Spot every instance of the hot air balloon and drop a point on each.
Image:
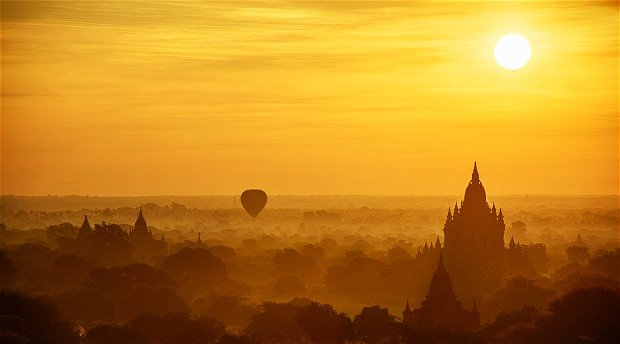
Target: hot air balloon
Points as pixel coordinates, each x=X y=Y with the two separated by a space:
x=253 y=201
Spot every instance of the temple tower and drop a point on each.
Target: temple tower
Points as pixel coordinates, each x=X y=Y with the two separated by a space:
x=441 y=309
x=474 y=242
x=140 y=230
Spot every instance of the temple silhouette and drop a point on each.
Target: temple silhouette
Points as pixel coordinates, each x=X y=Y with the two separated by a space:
x=474 y=242
x=140 y=231
x=474 y=253
x=441 y=309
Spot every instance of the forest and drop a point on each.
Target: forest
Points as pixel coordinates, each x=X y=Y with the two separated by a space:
x=309 y=269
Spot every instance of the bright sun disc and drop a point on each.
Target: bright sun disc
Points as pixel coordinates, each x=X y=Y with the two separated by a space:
x=512 y=52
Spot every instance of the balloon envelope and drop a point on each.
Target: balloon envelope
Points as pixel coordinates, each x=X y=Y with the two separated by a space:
x=253 y=201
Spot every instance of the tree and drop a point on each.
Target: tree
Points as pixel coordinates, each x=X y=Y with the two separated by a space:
x=513 y=324
x=317 y=252
x=275 y=323
x=9 y=273
x=40 y=320
x=153 y=300
x=322 y=324
x=577 y=253
x=106 y=334
x=110 y=244
x=64 y=229
x=225 y=253
x=177 y=328
x=231 y=310
x=397 y=255
x=584 y=280
x=128 y=291
x=120 y=281
x=196 y=269
x=65 y=273
x=538 y=254
x=290 y=261
x=234 y=339
x=289 y=285
x=87 y=305
x=360 y=275
x=583 y=315
x=519 y=292
x=518 y=229
x=374 y=325
x=31 y=261
x=608 y=264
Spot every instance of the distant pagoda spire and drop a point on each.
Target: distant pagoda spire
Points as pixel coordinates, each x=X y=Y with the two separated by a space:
x=438 y=243
x=475 y=195
x=474 y=175
x=440 y=267
x=579 y=241
x=86 y=224
x=85 y=229
x=140 y=225
x=199 y=242
x=500 y=217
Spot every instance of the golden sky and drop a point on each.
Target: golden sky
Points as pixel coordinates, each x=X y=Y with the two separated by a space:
x=329 y=97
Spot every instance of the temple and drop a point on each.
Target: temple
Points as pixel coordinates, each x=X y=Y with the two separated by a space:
x=474 y=242
x=145 y=246
x=473 y=248
x=140 y=230
x=85 y=230
x=441 y=309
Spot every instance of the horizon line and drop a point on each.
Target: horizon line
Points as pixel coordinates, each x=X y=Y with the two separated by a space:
x=306 y=195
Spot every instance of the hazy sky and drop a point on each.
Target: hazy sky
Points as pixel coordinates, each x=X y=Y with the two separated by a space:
x=204 y=97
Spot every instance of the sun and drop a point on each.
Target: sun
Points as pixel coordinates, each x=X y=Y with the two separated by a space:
x=512 y=52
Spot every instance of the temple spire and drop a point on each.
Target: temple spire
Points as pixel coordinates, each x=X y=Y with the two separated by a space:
x=441 y=267
x=140 y=225
x=85 y=229
x=474 y=175
x=86 y=224
x=407 y=308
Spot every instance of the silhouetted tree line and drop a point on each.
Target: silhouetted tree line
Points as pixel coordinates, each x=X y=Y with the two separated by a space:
x=583 y=315
x=64 y=285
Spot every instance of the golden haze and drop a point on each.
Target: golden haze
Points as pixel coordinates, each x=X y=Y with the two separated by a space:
x=149 y=97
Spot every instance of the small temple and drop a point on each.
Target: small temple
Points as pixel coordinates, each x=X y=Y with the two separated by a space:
x=85 y=230
x=140 y=230
x=441 y=309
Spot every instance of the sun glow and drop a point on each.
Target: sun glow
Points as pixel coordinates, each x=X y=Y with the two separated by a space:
x=512 y=52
